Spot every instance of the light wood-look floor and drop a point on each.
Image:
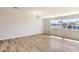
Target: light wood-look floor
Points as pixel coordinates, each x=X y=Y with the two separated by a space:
x=38 y=43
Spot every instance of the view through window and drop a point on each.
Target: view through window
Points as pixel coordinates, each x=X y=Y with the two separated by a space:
x=55 y=24
x=66 y=23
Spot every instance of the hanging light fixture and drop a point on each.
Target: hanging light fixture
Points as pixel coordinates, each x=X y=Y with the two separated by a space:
x=37 y=14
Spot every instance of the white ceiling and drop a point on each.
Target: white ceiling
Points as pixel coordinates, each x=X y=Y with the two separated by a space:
x=46 y=11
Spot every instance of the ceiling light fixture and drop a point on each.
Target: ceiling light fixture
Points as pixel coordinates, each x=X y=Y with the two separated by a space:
x=37 y=14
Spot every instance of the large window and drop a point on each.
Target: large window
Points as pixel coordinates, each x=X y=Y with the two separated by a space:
x=55 y=24
x=66 y=23
x=71 y=23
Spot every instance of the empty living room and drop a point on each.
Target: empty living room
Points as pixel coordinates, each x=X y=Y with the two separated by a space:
x=39 y=29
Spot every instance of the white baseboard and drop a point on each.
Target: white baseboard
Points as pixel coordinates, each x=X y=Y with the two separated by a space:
x=17 y=36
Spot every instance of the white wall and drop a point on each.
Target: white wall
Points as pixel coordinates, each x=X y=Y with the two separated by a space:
x=17 y=24
x=74 y=34
x=46 y=25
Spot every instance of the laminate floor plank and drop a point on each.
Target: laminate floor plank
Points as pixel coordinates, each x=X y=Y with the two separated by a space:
x=38 y=43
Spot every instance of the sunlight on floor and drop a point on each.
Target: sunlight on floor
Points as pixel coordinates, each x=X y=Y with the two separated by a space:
x=66 y=39
x=55 y=37
x=71 y=40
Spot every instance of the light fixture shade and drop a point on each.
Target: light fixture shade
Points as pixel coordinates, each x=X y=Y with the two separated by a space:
x=37 y=14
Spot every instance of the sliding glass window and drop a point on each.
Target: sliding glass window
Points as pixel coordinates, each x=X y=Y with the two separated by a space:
x=55 y=24
x=71 y=23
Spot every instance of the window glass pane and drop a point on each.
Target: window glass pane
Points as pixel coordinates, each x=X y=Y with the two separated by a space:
x=71 y=23
x=55 y=23
x=66 y=23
